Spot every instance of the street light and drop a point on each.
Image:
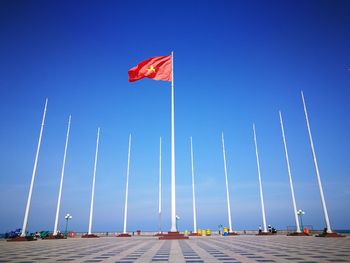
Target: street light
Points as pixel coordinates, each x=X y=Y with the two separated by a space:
x=67 y=217
x=300 y=214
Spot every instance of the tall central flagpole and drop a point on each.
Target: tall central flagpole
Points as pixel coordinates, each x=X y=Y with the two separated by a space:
x=93 y=182
x=160 y=188
x=260 y=185
x=290 y=177
x=173 y=201
x=227 y=192
x=328 y=225
x=25 y=220
x=193 y=193
x=62 y=175
x=127 y=187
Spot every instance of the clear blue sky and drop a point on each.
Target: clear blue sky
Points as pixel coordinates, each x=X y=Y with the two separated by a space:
x=236 y=62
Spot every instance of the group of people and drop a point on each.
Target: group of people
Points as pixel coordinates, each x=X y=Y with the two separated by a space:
x=269 y=229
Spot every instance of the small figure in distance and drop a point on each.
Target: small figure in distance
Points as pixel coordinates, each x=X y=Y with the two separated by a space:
x=260 y=229
x=269 y=228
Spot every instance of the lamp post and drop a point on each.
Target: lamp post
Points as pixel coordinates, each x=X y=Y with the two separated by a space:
x=67 y=217
x=300 y=215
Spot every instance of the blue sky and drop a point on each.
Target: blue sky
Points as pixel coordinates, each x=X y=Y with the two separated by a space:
x=235 y=63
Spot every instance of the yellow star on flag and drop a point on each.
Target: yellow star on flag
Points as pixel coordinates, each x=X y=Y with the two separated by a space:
x=151 y=69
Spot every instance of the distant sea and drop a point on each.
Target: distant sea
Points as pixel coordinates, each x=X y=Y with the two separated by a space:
x=341 y=231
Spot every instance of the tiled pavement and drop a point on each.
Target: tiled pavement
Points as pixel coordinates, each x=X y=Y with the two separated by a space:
x=232 y=249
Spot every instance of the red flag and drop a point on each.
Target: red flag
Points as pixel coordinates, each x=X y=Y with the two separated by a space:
x=158 y=68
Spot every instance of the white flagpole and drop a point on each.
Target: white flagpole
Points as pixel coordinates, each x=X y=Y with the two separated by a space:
x=328 y=225
x=160 y=187
x=62 y=175
x=127 y=187
x=227 y=192
x=290 y=176
x=25 y=220
x=173 y=201
x=93 y=182
x=193 y=193
x=260 y=185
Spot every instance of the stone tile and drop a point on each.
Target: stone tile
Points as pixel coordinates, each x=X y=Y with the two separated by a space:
x=247 y=249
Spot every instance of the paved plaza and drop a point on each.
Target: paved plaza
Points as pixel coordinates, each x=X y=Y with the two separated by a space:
x=232 y=249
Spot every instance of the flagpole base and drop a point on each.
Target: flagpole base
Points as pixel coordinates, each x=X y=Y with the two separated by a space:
x=124 y=235
x=266 y=234
x=233 y=234
x=54 y=237
x=194 y=234
x=298 y=234
x=89 y=236
x=333 y=234
x=172 y=236
x=20 y=239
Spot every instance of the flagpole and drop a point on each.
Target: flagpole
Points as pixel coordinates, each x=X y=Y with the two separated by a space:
x=93 y=182
x=127 y=187
x=193 y=193
x=328 y=225
x=173 y=201
x=227 y=191
x=160 y=188
x=290 y=176
x=25 y=220
x=260 y=185
x=62 y=175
